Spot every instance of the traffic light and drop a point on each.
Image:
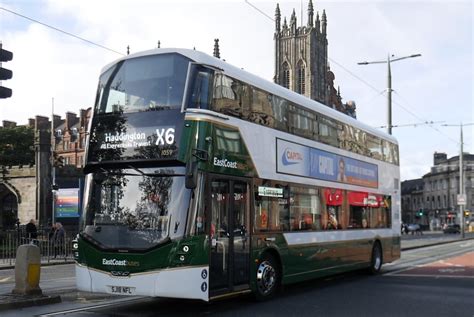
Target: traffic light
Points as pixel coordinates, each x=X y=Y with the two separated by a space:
x=466 y=213
x=420 y=213
x=5 y=74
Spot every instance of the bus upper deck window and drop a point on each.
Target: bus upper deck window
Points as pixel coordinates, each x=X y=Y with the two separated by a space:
x=201 y=87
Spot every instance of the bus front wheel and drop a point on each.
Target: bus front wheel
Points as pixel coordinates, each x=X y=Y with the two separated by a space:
x=268 y=277
x=376 y=259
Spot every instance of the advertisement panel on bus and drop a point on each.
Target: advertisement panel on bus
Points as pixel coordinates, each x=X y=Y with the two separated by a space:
x=300 y=160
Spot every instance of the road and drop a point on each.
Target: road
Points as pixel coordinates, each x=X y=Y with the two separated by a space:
x=430 y=281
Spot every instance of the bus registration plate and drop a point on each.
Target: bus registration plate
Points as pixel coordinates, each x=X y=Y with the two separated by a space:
x=123 y=290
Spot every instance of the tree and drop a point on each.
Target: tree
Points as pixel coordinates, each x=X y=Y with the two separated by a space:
x=16 y=146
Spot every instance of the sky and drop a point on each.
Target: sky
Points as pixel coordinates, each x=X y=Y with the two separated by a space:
x=436 y=87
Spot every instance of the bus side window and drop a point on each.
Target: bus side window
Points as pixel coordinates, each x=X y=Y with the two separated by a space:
x=261 y=213
x=200 y=94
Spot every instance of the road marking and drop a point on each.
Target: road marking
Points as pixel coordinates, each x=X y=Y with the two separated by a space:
x=451 y=270
x=432 y=276
x=459 y=266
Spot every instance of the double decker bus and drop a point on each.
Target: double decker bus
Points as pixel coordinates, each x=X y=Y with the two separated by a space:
x=203 y=181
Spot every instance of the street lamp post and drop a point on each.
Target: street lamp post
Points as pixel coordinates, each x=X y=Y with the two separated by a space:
x=461 y=186
x=461 y=197
x=389 y=84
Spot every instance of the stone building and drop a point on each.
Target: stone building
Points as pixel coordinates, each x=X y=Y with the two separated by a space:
x=436 y=204
x=70 y=137
x=26 y=191
x=301 y=60
x=16 y=202
x=412 y=200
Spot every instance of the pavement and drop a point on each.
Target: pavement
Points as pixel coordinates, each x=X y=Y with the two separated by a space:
x=408 y=242
x=427 y=238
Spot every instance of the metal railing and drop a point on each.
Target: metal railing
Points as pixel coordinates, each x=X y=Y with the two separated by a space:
x=51 y=249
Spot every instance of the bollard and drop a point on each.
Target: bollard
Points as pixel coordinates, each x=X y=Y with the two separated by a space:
x=27 y=270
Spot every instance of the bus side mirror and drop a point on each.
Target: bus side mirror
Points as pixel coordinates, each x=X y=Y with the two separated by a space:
x=191 y=174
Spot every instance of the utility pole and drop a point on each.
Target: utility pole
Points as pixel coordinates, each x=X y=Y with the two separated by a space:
x=53 y=168
x=461 y=186
x=389 y=84
x=462 y=199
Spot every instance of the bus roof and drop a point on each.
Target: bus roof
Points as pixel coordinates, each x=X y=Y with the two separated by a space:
x=240 y=74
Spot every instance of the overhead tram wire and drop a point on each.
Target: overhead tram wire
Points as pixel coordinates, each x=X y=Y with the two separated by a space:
x=61 y=31
x=411 y=124
x=263 y=13
x=434 y=128
x=365 y=82
x=457 y=125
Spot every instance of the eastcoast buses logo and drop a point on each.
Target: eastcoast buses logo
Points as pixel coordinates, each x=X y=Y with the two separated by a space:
x=115 y=262
x=291 y=157
x=225 y=163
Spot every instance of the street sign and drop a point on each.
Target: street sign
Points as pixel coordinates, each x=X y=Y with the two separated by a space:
x=461 y=199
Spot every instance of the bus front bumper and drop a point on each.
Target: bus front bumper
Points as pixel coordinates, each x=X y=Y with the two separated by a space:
x=185 y=282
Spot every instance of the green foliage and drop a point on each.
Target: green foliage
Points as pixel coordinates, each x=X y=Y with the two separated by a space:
x=17 y=146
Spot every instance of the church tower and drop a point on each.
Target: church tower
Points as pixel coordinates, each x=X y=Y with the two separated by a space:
x=301 y=55
x=301 y=59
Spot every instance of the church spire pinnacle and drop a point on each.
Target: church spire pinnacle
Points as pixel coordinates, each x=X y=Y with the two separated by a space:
x=216 y=53
x=318 y=25
x=293 y=22
x=277 y=18
x=324 y=26
x=310 y=13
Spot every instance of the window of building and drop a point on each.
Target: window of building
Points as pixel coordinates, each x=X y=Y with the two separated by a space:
x=301 y=78
x=286 y=76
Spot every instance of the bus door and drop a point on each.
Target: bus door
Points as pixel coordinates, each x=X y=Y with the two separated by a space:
x=230 y=240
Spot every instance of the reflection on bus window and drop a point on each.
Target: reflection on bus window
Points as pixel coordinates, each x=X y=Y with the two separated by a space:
x=315 y=209
x=226 y=96
x=143 y=84
x=131 y=210
x=235 y=98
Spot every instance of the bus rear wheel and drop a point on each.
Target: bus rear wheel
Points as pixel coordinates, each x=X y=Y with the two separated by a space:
x=376 y=259
x=268 y=277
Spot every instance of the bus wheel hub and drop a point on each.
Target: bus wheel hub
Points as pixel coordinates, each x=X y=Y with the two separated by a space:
x=265 y=277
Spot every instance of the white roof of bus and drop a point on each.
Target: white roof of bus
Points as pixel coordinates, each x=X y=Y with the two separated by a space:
x=259 y=82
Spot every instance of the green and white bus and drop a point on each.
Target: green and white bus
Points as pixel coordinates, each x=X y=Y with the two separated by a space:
x=203 y=181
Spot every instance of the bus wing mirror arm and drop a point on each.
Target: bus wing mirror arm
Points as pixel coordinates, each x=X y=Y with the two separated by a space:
x=191 y=174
